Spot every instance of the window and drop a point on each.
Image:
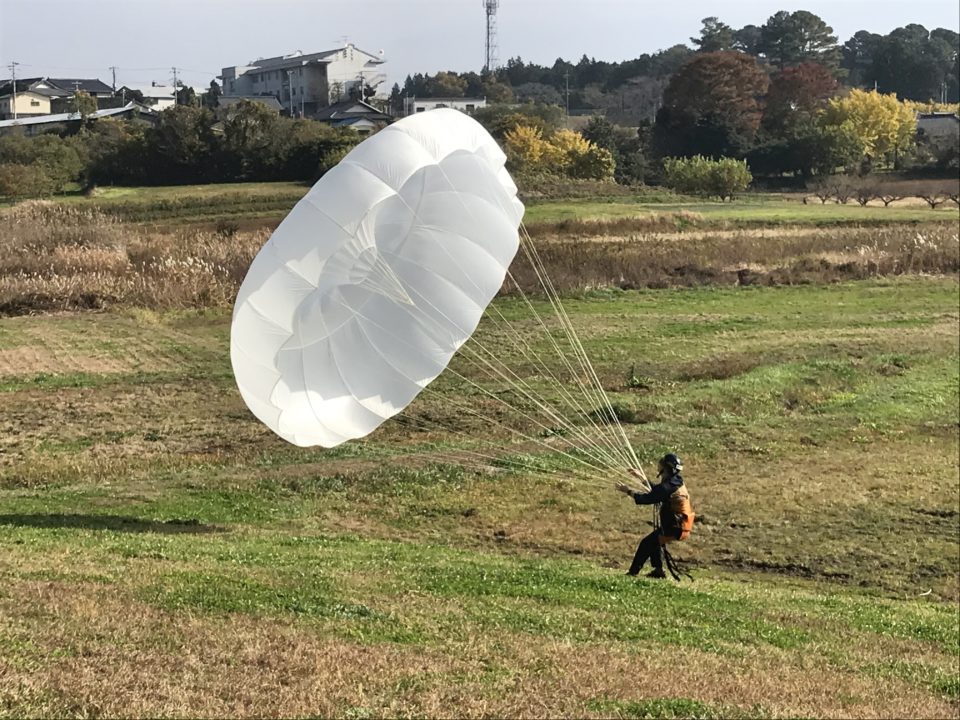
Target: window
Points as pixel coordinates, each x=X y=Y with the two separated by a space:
x=34 y=103
x=471 y=107
x=420 y=109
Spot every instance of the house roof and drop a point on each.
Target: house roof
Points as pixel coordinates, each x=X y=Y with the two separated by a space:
x=349 y=110
x=938 y=116
x=68 y=117
x=268 y=100
x=298 y=58
x=28 y=85
x=448 y=99
x=92 y=86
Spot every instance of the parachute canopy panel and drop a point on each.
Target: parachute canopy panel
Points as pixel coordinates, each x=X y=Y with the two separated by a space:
x=373 y=281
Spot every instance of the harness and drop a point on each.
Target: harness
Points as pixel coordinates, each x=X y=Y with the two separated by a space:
x=682 y=514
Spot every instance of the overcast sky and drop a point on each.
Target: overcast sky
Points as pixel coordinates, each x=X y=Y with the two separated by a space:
x=145 y=38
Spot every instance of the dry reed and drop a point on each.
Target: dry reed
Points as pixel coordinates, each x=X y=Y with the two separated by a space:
x=57 y=257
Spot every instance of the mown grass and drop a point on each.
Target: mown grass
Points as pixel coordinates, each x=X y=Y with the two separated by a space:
x=159 y=547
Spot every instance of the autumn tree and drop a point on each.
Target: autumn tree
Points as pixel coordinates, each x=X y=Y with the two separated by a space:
x=884 y=125
x=795 y=96
x=712 y=106
x=792 y=38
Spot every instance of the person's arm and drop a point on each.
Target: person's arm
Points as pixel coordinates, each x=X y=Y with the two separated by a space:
x=657 y=494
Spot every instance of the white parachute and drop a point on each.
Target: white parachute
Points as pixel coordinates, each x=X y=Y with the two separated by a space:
x=374 y=280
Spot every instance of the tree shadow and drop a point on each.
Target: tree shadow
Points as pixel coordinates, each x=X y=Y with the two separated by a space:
x=116 y=523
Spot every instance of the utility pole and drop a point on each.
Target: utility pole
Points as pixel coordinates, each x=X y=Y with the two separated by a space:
x=174 y=86
x=13 y=97
x=113 y=70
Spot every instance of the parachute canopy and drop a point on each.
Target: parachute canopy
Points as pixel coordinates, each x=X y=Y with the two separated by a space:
x=373 y=281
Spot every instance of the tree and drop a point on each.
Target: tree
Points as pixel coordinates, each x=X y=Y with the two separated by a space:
x=186 y=95
x=792 y=38
x=181 y=147
x=83 y=103
x=527 y=150
x=884 y=125
x=915 y=64
x=496 y=91
x=537 y=93
x=795 y=96
x=446 y=84
x=250 y=134
x=748 y=39
x=858 y=56
x=712 y=106
x=714 y=36
x=211 y=98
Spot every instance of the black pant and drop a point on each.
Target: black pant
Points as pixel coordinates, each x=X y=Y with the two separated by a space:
x=651 y=549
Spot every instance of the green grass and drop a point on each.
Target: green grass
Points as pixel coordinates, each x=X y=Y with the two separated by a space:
x=819 y=429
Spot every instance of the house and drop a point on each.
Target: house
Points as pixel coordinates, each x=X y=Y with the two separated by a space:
x=43 y=96
x=159 y=97
x=941 y=129
x=354 y=114
x=64 y=121
x=305 y=82
x=30 y=101
x=413 y=105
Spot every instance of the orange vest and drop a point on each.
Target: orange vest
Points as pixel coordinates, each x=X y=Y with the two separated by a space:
x=682 y=511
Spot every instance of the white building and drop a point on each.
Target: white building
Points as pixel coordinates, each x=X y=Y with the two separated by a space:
x=412 y=105
x=304 y=83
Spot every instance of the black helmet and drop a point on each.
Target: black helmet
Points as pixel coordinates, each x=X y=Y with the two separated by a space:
x=669 y=464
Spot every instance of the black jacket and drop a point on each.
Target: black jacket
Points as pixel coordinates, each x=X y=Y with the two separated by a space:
x=660 y=493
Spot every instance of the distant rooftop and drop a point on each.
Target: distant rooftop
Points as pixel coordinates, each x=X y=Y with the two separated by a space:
x=67 y=117
x=298 y=58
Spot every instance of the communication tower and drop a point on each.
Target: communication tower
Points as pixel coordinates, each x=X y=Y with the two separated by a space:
x=491 y=58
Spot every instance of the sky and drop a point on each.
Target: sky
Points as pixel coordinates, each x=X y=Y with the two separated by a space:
x=144 y=39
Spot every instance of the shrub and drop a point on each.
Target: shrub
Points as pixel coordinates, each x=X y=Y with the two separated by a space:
x=698 y=175
x=25 y=181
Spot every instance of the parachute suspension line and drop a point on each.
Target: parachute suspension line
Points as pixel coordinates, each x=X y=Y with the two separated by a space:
x=616 y=458
x=587 y=391
x=629 y=456
x=614 y=463
x=537 y=262
x=493 y=370
x=600 y=470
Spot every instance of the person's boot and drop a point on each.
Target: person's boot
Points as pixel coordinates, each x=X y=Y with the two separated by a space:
x=657 y=573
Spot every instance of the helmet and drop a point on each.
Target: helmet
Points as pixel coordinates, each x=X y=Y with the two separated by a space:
x=669 y=464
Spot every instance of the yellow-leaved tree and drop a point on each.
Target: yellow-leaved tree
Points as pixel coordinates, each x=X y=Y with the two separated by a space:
x=883 y=124
x=565 y=153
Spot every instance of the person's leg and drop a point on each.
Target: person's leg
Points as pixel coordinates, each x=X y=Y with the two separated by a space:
x=648 y=546
x=656 y=556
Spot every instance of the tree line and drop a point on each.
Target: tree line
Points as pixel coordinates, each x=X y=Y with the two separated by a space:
x=187 y=145
x=910 y=61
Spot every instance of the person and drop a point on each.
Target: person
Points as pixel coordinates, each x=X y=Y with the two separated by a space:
x=676 y=513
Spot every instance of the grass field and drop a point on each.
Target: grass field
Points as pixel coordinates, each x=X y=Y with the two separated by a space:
x=259 y=204
x=162 y=553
